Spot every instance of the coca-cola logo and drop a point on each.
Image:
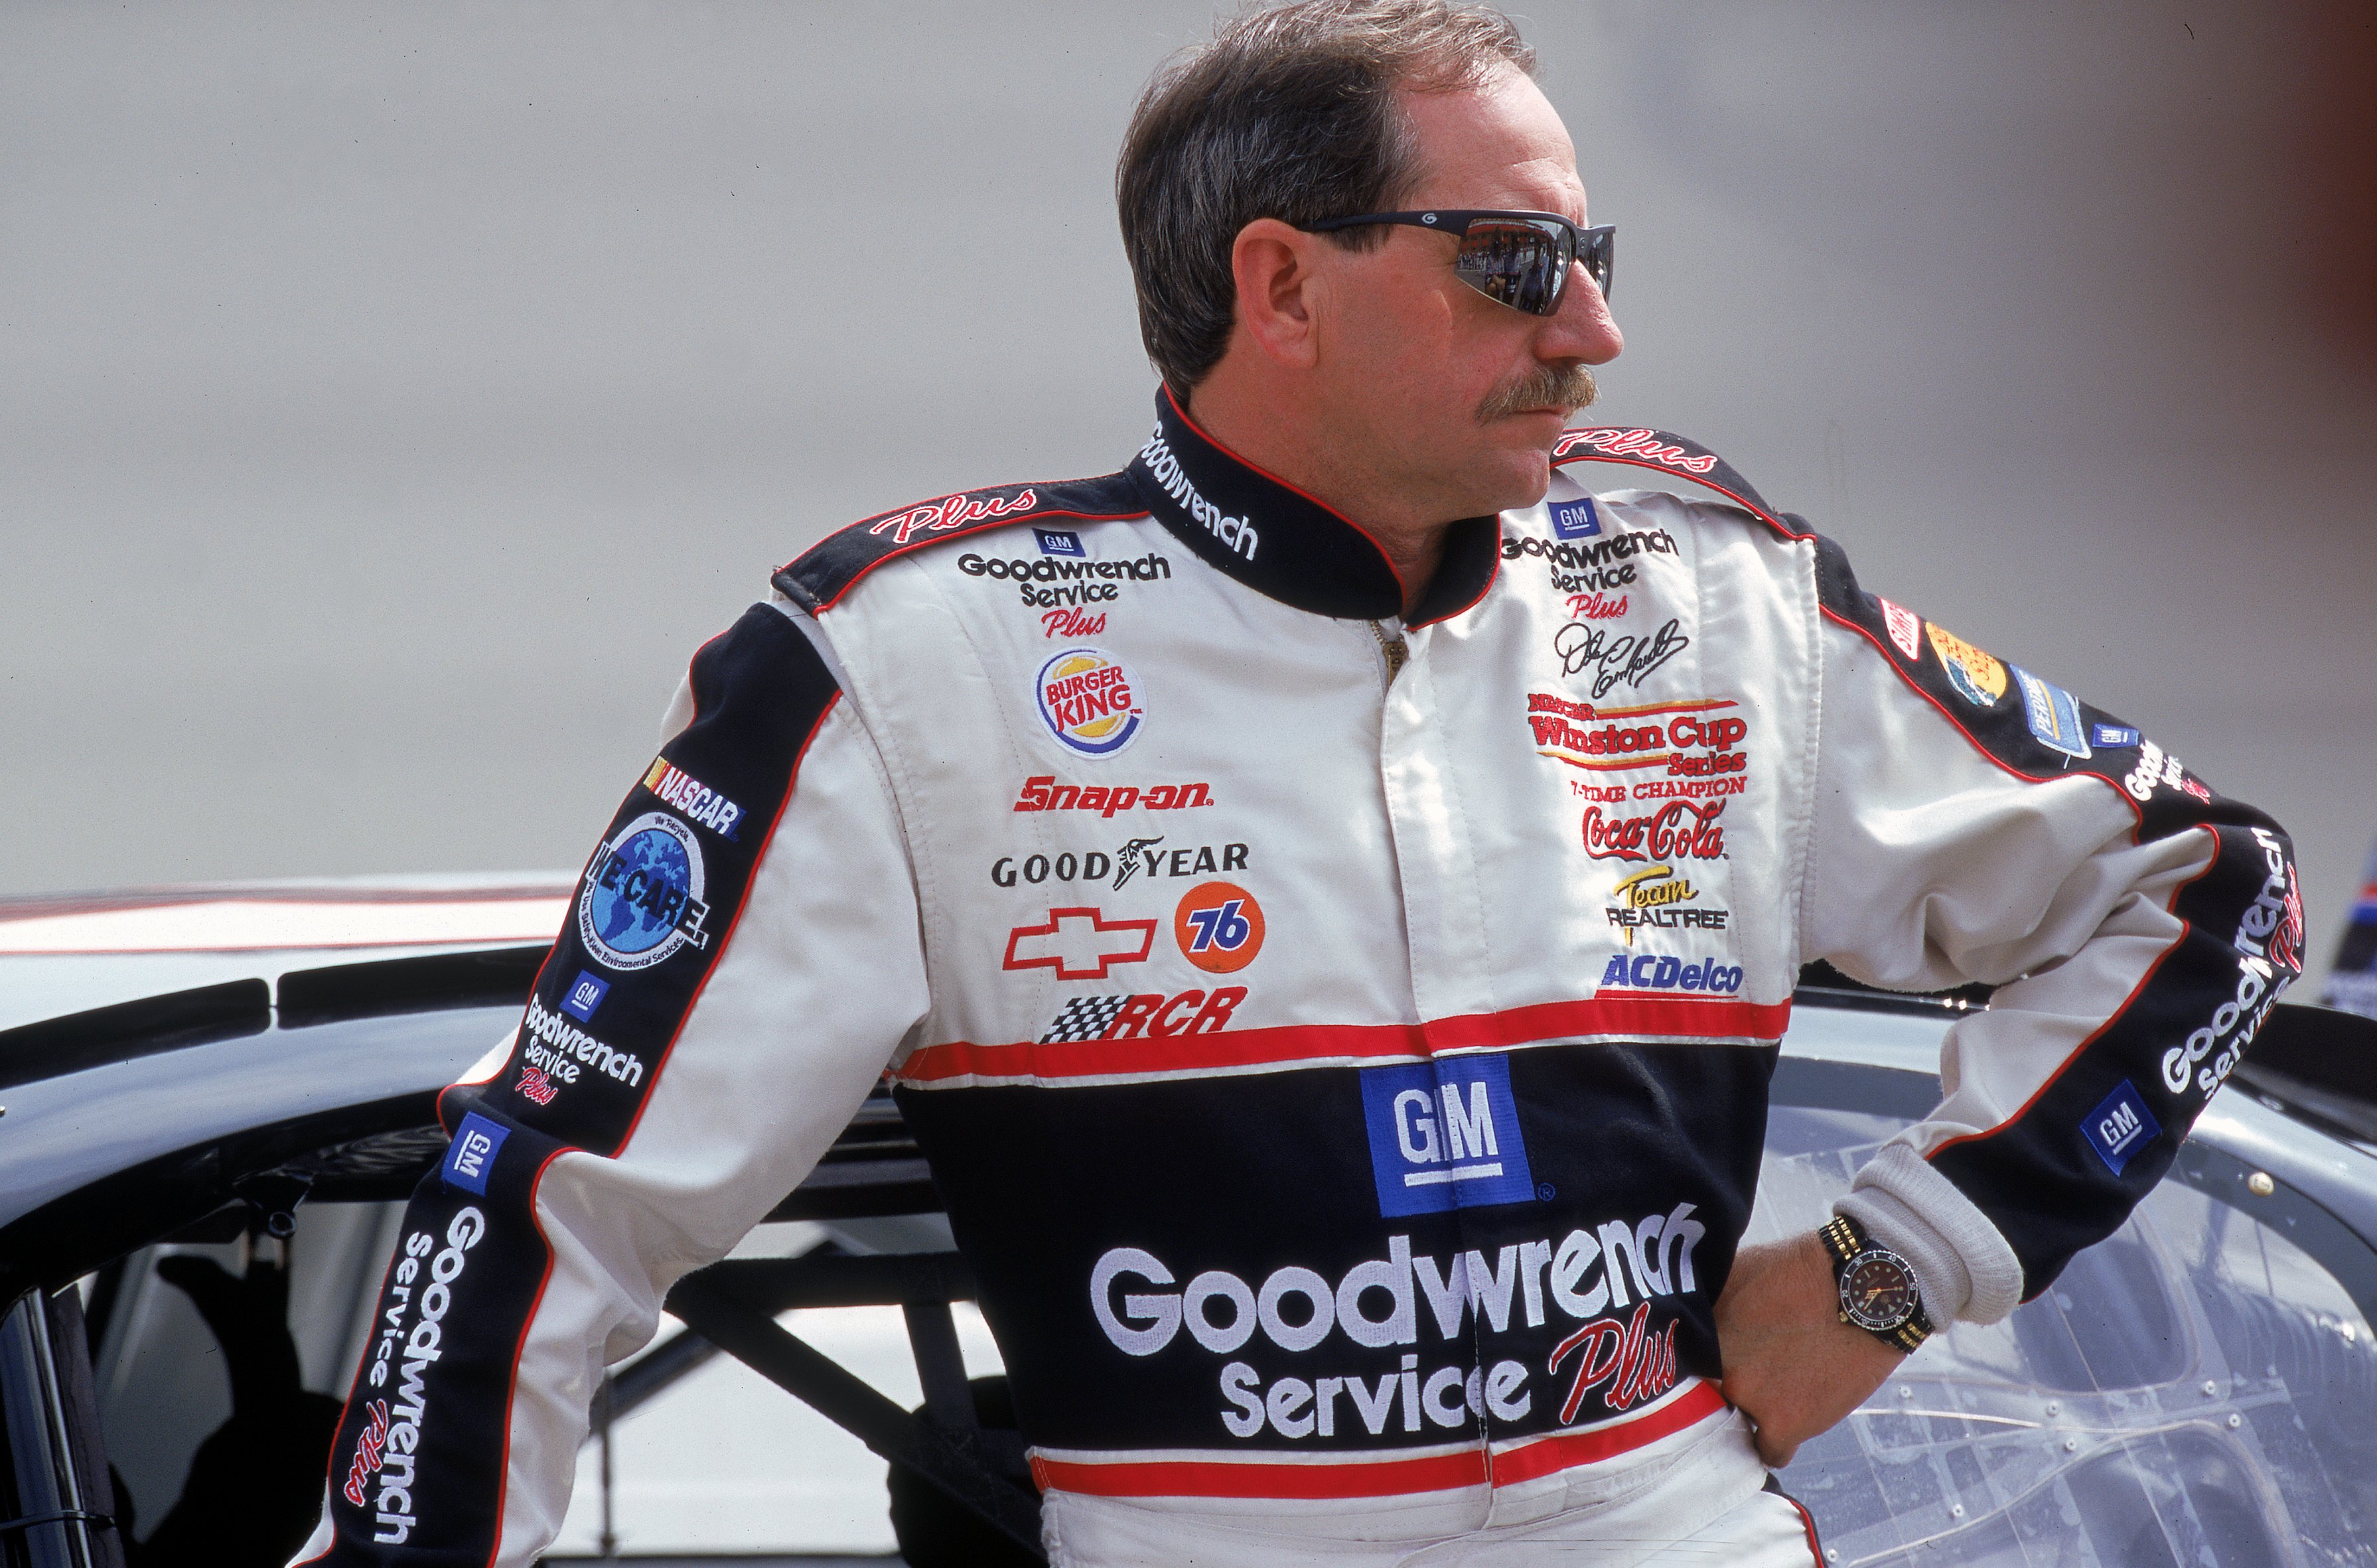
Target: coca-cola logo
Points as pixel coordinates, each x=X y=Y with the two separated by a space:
x=1681 y=829
x=1634 y=444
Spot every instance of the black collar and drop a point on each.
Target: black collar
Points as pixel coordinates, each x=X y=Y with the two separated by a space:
x=1286 y=545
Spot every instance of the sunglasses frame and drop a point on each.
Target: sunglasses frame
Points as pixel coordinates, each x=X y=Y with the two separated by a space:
x=1597 y=246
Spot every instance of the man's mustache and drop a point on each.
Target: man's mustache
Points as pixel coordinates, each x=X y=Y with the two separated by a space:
x=1571 y=389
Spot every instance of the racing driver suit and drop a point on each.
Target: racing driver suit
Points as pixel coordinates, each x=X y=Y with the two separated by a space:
x=1340 y=1037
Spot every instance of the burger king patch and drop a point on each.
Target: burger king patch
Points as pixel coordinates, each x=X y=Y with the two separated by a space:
x=1089 y=701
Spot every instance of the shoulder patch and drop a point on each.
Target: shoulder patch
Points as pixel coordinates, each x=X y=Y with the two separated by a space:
x=818 y=579
x=2027 y=725
x=1663 y=452
x=660 y=897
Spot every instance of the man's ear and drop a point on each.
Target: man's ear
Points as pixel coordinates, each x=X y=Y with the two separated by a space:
x=1274 y=265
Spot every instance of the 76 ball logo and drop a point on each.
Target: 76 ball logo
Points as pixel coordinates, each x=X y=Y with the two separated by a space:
x=1219 y=926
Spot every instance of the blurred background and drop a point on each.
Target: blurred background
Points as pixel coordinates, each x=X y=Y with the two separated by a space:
x=396 y=395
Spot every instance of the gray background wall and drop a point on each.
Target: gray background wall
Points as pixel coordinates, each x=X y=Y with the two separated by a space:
x=394 y=396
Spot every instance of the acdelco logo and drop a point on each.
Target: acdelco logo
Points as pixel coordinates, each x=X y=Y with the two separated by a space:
x=1664 y=972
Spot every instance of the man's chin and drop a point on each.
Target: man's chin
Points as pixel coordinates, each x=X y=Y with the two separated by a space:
x=1521 y=474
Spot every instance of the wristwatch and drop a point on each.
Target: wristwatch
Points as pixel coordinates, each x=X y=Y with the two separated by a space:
x=1879 y=1293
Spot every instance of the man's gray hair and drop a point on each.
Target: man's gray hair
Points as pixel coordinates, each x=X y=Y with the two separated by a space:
x=1288 y=114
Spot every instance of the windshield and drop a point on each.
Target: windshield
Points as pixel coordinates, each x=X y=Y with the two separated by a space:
x=2195 y=1390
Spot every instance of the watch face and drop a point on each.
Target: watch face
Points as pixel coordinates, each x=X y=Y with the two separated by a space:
x=1877 y=1291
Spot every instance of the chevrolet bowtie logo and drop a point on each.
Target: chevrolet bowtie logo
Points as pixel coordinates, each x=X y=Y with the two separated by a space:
x=1078 y=944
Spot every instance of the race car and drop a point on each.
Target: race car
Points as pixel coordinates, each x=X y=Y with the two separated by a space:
x=216 y=1099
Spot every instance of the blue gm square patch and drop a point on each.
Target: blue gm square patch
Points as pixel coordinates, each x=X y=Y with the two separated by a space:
x=586 y=994
x=2113 y=737
x=471 y=1158
x=1444 y=1135
x=1575 y=519
x=2121 y=1128
x=1059 y=542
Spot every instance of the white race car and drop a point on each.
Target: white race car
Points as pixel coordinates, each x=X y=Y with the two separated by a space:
x=217 y=1099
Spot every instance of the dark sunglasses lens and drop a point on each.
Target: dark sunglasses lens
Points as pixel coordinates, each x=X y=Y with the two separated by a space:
x=1517 y=264
x=1600 y=256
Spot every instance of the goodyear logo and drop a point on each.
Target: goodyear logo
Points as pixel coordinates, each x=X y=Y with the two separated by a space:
x=1089 y=701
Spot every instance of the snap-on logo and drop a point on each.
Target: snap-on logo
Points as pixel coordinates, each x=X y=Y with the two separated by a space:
x=2120 y=1127
x=1089 y=701
x=1445 y=1134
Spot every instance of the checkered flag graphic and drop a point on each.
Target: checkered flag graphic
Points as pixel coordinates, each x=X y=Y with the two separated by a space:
x=1085 y=1018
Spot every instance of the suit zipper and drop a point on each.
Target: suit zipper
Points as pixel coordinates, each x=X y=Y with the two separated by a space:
x=1395 y=649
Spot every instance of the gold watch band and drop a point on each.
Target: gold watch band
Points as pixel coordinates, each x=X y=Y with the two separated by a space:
x=1845 y=1240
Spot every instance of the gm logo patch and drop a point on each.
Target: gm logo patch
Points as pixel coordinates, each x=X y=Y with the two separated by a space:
x=471 y=1158
x=2121 y=1128
x=586 y=994
x=1575 y=519
x=1444 y=1135
x=1059 y=542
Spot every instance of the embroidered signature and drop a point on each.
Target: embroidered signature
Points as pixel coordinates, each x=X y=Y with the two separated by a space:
x=1614 y=660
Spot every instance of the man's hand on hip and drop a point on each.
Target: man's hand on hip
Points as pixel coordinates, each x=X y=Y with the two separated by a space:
x=1791 y=1365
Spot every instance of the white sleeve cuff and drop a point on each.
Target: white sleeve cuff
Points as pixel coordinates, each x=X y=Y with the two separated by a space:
x=1964 y=1267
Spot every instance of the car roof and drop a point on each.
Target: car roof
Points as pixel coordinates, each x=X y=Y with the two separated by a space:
x=68 y=953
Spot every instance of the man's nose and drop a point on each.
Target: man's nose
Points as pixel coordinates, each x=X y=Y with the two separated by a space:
x=1582 y=328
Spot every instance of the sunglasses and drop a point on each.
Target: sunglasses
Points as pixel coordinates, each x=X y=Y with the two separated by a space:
x=1521 y=259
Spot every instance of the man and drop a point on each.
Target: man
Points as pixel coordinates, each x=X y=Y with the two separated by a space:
x=1238 y=863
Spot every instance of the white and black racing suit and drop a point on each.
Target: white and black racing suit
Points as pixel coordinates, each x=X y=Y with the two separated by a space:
x=1340 y=1040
